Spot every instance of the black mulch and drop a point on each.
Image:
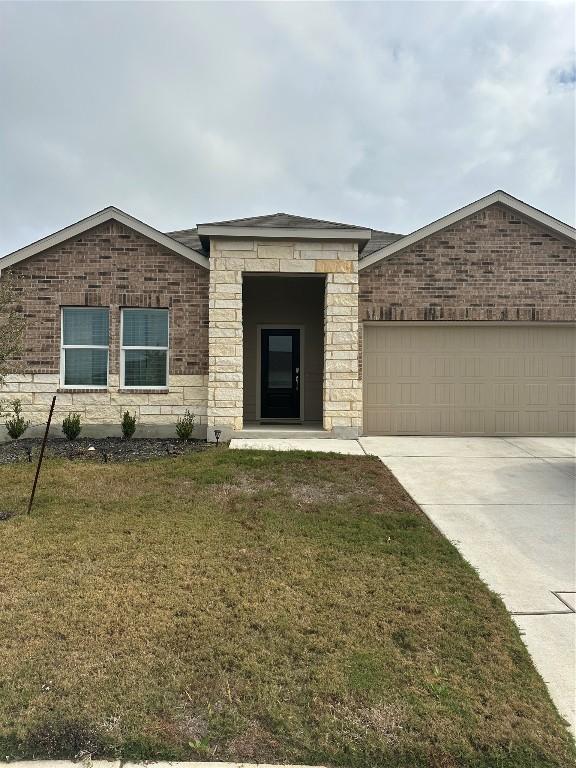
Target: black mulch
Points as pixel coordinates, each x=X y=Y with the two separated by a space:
x=104 y=449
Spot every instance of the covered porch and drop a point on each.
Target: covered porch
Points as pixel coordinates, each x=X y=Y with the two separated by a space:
x=283 y=335
x=283 y=350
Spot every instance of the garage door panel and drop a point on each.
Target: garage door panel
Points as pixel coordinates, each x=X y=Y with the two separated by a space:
x=507 y=423
x=566 y=422
x=393 y=366
x=567 y=394
x=440 y=379
x=567 y=365
x=538 y=422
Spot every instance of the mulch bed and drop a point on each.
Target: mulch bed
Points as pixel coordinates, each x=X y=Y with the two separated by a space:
x=98 y=449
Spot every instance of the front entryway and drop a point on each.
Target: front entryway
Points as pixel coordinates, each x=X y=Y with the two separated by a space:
x=283 y=344
x=280 y=373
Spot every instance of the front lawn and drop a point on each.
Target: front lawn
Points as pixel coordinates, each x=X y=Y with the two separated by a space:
x=281 y=607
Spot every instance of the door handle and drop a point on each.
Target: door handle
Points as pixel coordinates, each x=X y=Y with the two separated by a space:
x=297 y=379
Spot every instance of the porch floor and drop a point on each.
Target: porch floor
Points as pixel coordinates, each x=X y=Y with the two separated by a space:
x=286 y=431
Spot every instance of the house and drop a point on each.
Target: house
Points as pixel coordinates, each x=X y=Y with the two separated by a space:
x=464 y=327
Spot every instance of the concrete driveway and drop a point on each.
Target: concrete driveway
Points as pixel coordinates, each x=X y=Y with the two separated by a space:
x=509 y=506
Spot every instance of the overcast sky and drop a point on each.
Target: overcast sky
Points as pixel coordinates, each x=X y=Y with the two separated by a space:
x=387 y=115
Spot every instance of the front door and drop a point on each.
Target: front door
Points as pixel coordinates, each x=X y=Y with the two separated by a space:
x=280 y=374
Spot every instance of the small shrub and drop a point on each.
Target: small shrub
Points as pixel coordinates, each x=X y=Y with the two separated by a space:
x=16 y=425
x=71 y=426
x=128 y=425
x=185 y=426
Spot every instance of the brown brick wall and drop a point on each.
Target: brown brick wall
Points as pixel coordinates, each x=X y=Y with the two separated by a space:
x=113 y=266
x=490 y=266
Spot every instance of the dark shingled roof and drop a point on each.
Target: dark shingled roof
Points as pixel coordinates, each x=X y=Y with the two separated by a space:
x=286 y=220
x=377 y=241
x=191 y=238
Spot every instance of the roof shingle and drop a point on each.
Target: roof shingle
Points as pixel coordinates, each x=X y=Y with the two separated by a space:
x=190 y=237
x=282 y=220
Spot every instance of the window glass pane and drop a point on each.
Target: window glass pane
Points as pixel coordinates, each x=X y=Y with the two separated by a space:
x=145 y=328
x=280 y=362
x=85 y=326
x=144 y=368
x=85 y=367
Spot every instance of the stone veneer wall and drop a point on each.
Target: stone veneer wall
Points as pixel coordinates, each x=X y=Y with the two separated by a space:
x=338 y=261
x=101 y=411
x=112 y=266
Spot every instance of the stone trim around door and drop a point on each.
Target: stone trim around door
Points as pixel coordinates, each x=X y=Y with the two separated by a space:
x=338 y=261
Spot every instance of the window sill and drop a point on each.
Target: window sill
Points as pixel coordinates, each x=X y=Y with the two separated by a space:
x=82 y=391
x=144 y=391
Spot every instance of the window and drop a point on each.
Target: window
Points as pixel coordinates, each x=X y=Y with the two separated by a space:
x=84 y=357
x=144 y=362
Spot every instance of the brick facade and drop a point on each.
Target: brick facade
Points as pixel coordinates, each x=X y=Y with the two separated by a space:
x=113 y=266
x=490 y=266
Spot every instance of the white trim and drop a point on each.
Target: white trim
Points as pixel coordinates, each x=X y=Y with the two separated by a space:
x=93 y=221
x=286 y=233
x=64 y=347
x=452 y=218
x=281 y=327
x=123 y=349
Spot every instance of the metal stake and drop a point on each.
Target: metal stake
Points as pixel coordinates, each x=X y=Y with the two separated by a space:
x=41 y=454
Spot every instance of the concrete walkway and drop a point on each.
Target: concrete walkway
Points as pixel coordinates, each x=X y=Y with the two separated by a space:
x=508 y=504
x=319 y=445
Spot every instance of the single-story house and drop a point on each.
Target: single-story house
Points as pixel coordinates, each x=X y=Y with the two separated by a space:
x=463 y=327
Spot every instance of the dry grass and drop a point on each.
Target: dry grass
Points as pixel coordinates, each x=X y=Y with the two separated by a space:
x=254 y=606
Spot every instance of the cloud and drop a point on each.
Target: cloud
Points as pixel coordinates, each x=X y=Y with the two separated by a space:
x=382 y=114
x=565 y=76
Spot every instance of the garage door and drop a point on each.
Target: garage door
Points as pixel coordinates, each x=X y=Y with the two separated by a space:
x=439 y=379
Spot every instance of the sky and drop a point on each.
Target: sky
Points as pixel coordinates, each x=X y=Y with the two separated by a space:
x=384 y=114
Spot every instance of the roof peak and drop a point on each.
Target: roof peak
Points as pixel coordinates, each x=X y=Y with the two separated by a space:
x=281 y=219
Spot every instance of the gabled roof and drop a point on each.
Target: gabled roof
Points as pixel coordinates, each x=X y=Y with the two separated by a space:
x=528 y=211
x=375 y=245
x=283 y=220
x=93 y=221
x=281 y=226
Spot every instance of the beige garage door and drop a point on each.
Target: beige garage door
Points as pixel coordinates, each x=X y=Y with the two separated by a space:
x=497 y=379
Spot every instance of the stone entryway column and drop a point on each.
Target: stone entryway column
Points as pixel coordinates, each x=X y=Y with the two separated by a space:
x=225 y=340
x=342 y=387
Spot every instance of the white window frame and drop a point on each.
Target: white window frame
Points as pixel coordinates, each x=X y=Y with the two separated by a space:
x=64 y=347
x=160 y=349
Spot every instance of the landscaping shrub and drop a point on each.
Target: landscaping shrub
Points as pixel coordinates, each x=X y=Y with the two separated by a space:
x=185 y=426
x=71 y=426
x=128 y=425
x=16 y=425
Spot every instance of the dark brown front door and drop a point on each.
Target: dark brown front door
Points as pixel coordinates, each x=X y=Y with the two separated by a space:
x=280 y=374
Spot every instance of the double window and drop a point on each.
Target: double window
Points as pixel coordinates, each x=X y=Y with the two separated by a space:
x=143 y=348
